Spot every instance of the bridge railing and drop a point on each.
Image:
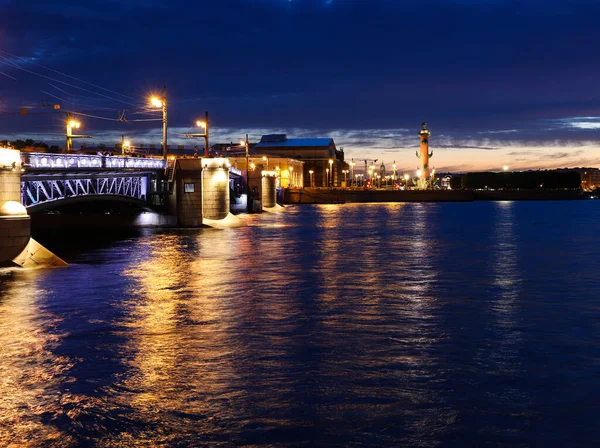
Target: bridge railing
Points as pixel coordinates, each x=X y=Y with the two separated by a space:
x=84 y=161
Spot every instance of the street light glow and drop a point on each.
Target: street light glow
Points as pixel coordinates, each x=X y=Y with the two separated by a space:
x=201 y=124
x=406 y=177
x=74 y=124
x=419 y=172
x=154 y=101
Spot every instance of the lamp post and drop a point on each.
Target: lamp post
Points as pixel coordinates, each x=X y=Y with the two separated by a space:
x=394 y=179
x=310 y=175
x=248 y=200
x=406 y=177
x=266 y=159
x=70 y=125
x=124 y=144
x=162 y=103
x=202 y=124
x=345 y=172
x=327 y=170
x=331 y=170
x=291 y=179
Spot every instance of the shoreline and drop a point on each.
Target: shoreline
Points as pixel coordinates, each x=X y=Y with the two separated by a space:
x=342 y=196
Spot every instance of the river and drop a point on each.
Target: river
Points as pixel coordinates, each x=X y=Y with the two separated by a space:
x=425 y=325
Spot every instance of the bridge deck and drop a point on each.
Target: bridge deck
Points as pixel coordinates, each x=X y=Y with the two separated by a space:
x=33 y=161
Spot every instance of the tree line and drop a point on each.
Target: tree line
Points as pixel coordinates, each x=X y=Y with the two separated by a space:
x=22 y=144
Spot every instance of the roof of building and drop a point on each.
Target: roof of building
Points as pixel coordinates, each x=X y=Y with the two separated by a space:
x=294 y=142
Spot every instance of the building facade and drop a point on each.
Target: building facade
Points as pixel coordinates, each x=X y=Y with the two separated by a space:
x=323 y=162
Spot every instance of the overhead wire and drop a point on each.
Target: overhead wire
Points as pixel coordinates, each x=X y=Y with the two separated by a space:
x=68 y=76
x=78 y=96
x=7 y=61
x=8 y=76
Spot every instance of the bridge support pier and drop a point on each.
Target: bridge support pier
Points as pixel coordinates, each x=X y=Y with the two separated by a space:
x=269 y=190
x=15 y=226
x=16 y=245
x=215 y=194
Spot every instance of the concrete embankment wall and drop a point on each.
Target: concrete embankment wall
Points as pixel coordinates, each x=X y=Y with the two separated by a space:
x=527 y=195
x=338 y=196
x=323 y=196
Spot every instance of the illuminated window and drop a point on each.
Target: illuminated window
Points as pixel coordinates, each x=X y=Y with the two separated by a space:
x=189 y=188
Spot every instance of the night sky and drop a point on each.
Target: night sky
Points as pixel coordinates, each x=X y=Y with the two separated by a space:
x=499 y=82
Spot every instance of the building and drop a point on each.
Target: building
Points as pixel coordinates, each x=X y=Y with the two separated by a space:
x=590 y=177
x=323 y=162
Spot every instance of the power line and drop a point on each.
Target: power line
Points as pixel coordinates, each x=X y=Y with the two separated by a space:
x=7 y=61
x=8 y=76
x=64 y=74
x=78 y=96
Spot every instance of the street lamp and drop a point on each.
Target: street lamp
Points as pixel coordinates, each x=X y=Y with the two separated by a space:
x=162 y=103
x=331 y=168
x=327 y=170
x=406 y=177
x=244 y=143
x=345 y=172
x=291 y=180
x=352 y=168
x=125 y=144
x=394 y=166
x=266 y=159
x=72 y=124
x=310 y=174
x=202 y=124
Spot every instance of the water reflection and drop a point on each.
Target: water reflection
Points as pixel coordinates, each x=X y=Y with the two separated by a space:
x=32 y=403
x=177 y=328
x=507 y=279
x=342 y=325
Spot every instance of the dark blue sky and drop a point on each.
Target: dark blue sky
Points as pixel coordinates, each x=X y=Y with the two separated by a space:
x=500 y=82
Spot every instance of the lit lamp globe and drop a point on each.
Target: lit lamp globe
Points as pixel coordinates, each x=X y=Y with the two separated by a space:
x=12 y=209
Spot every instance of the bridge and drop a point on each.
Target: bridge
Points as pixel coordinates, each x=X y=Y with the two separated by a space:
x=49 y=180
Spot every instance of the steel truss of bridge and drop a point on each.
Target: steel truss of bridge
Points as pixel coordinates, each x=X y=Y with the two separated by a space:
x=47 y=161
x=40 y=189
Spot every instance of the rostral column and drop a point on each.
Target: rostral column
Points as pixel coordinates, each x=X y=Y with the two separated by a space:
x=423 y=154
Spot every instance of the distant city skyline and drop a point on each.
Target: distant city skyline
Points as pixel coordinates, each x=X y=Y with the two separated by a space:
x=499 y=82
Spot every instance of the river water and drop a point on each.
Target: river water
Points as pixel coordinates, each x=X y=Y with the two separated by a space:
x=459 y=324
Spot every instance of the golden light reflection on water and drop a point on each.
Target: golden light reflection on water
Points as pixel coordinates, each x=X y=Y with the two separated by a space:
x=177 y=353
x=31 y=375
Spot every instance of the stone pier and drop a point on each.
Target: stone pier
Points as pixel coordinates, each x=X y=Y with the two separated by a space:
x=15 y=226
